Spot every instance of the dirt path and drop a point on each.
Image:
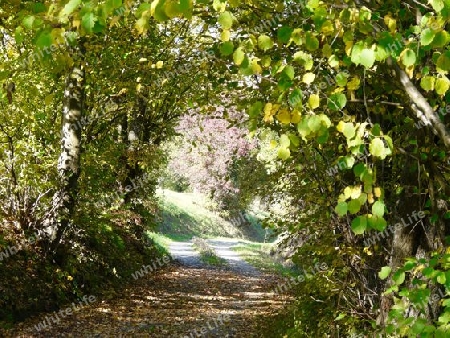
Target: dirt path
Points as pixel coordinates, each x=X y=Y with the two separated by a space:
x=187 y=256
x=223 y=248
x=176 y=301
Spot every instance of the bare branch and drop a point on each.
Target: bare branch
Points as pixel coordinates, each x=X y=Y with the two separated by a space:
x=420 y=104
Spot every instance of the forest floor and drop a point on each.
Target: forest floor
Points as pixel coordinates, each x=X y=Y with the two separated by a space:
x=184 y=298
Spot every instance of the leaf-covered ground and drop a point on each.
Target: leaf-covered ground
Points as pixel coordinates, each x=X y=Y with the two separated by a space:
x=178 y=301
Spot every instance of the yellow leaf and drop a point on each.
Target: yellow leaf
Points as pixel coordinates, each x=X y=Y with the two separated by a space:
x=225 y=35
x=354 y=83
x=309 y=78
x=327 y=28
x=159 y=64
x=256 y=68
x=370 y=198
x=377 y=192
x=296 y=116
x=327 y=51
x=356 y=192
x=314 y=101
x=442 y=85
x=76 y=23
x=268 y=115
x=347 y=192
x=268 y=108
x=284 y=116
x=275 y=108
x=410 y=71
x=348 y=47
x=390 y=22
x=273 y=144
x=48 y=99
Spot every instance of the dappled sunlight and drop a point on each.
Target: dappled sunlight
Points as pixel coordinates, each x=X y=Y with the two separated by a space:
x=178 y=300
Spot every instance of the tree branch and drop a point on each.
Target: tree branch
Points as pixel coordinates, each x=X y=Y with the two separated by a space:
x=421 y=104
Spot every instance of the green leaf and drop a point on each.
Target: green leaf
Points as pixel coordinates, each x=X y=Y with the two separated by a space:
x=427 y=83
x=437 y=5
x=359 y=225
x=44 y=39
x=341 y=316
x=399 y=277
x=314 y=123
x=359 y=169
x=289 y=71
x=378 y=209
x=238 y=56
x=18 y=35
x=349 y=130
x=225 y=20
x=284 y=34
x=341 y=79
x=68 y=9
x=314 y=101
x=304 y=59
x=356 y=52
x=311 y=42
x=285 y=142
x=377 y=223
x=377 y=148
x=441 y=39
x=354 y=206
x=88 y=21
x=28 y=21
x=265 y=42
x=443 y=61
x=384 y=272
x=255 y=109
x=337 y=101
x=284 y=153
x=367 y=57
x=226 y=48
x=323 y=136
x=442 y=85
x=441 y=278
x=39 y=8
x=408 y=57
x=427 y=36
x=341 y=208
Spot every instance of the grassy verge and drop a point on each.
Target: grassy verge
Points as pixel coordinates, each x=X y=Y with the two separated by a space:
x=207 y=253
x=185 y=215
x=258 y=255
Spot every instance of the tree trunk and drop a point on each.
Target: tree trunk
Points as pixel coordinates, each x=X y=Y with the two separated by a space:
x=58 y=219
x=134 y=140
x=421 y=237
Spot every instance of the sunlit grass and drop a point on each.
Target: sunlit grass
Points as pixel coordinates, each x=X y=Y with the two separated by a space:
x=258 y=255
x=186 y=214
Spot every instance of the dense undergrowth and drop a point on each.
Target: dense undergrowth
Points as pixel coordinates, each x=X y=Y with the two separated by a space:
x=92 y=260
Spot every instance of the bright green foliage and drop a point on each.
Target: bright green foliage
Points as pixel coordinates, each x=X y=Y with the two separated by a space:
x=350 y=101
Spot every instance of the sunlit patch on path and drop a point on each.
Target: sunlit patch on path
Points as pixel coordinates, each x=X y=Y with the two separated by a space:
x=178 y=301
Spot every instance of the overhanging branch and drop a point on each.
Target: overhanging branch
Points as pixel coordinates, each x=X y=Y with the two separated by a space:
x=421 y=104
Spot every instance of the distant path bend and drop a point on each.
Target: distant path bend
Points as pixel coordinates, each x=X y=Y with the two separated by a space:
x=189 y=257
